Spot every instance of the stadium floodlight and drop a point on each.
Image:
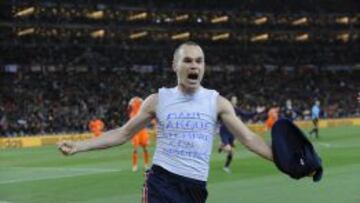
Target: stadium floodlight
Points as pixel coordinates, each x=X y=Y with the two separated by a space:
x=27 y=31
x=95 y=15
x=138 y=35
x=180 y=36
x=222 y=36
x=300 y=21
x=261 y=20
x=168 y=20
x=345 y=37
x=220 y=19
x=342 y=20
x=25 y=12
x=302 y=37
x=98 y=33
x=138 y=16
x=182 y=17
x=261 y=37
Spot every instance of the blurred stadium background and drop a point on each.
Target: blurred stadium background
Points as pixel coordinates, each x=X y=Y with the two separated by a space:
x=64 y=62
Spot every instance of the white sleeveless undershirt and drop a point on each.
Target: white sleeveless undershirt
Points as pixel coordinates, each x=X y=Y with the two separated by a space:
x=186 y=125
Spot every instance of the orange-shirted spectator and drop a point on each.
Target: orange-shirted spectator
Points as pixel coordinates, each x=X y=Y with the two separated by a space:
x=273 y=116
x=96 y=126
x=141 y=138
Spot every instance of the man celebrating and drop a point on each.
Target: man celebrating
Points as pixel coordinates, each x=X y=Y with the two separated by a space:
x=187 y=116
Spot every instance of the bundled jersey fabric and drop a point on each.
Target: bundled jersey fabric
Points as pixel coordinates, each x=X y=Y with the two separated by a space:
x=293 y=152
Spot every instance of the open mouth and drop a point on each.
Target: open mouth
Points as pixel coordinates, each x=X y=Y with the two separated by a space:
x=193 y=76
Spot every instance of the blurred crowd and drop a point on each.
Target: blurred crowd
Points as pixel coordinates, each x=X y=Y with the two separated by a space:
x=57 y=74
x=33 y=103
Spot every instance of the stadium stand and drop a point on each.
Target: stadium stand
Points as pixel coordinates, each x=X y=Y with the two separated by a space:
x=33 y=103
x=62 y=63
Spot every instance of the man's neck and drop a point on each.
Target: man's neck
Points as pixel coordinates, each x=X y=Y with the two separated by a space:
x=187 y=91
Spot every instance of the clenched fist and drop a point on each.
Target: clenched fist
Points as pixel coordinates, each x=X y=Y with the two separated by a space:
x=67 y=147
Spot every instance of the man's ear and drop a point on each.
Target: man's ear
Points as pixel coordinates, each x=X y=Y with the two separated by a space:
x=173 y=65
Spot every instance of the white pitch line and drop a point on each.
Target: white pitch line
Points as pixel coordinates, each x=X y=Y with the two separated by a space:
x=88 y=171
x=327 y=145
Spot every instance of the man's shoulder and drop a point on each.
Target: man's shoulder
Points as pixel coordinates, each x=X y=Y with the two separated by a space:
x=223 y=105
x=166 y=90
x=152 y=98
x=150 y=103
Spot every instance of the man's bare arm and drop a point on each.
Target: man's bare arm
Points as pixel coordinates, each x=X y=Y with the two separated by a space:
x=248 y=138
x=117 y=136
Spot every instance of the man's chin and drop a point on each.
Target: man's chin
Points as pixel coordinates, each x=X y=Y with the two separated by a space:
x=191 y=86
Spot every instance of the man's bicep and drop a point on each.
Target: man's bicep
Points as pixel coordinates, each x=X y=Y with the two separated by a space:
x=231 y=121
x=137 y=123
x=226 y=113
x=225 y=109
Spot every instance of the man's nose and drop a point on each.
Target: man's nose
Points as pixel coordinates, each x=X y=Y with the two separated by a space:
x=194 y=66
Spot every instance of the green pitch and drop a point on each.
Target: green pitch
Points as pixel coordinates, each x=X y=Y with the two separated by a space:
x=43 y=175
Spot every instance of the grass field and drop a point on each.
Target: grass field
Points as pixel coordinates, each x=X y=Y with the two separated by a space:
x=43 y=175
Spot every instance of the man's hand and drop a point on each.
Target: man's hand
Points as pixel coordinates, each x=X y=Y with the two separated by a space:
x=68 y=147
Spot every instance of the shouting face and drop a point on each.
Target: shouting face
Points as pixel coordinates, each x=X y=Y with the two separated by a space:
x=189 y=65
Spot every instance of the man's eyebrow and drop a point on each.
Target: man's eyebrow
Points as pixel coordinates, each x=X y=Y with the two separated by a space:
x=189 y=57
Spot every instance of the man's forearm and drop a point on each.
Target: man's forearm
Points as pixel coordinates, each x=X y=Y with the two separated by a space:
x=257 y=144
x=108 y=139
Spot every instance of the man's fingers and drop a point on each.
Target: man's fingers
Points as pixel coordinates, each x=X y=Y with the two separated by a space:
x=64 y=151
x=67 y=148
x=60 y=144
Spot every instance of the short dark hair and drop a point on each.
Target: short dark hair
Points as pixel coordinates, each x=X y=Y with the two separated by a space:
x=187 y=43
